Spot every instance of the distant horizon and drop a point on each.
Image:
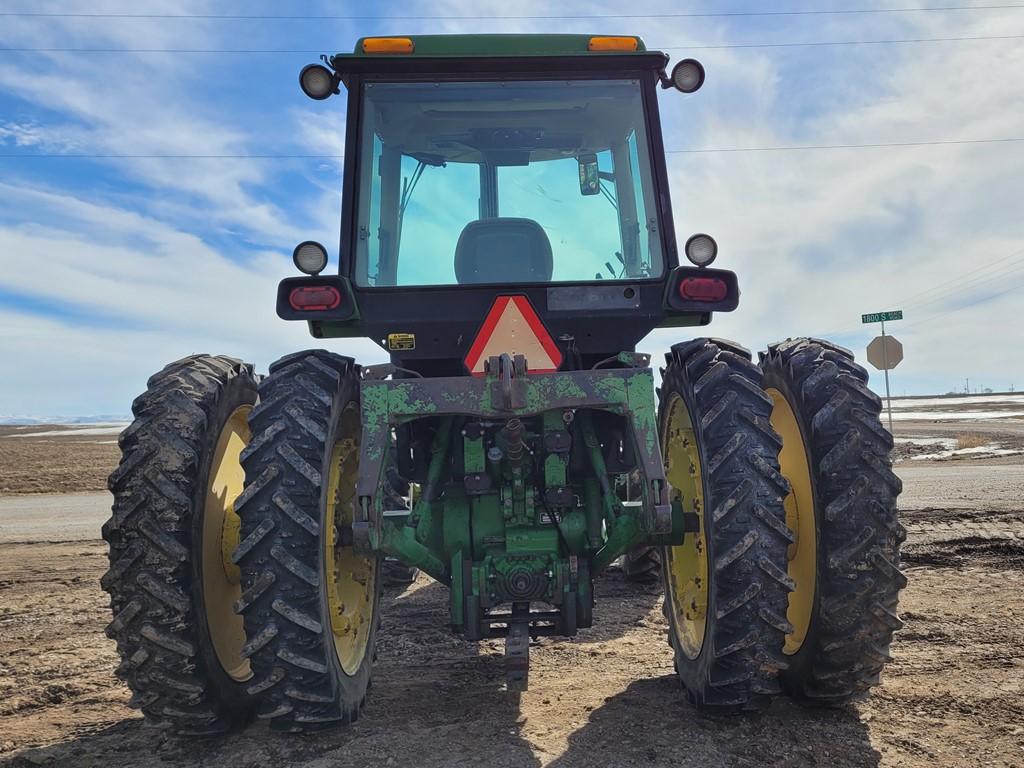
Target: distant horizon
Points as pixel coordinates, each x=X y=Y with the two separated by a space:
x=109 y=419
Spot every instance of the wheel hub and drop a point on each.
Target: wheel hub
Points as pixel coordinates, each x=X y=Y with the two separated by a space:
x=802 y=553
x=687 y=563
x=350 y=578
x=220 y=534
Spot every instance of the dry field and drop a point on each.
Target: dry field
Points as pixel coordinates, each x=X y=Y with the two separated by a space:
x=953 y=696
x=31 y=462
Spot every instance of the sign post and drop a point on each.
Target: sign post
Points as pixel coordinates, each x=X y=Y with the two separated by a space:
x=884 y=352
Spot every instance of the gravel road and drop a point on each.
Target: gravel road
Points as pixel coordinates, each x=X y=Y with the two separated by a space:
x=53 y=517
x=963 y=485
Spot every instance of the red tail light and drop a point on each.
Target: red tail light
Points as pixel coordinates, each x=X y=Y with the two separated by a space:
x=314 y=298
x=703 y=289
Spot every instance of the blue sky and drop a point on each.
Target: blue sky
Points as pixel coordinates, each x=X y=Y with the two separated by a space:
x=110 y=268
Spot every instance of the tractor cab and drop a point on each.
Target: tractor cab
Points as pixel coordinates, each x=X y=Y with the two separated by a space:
x=488 y=167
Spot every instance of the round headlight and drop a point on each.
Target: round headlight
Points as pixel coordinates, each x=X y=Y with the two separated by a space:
x=701 y=249
x=316 y=81
x=688 y=75
x=310 y=257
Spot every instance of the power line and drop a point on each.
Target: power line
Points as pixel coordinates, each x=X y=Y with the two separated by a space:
x=962 y=281
x=510 y=17
x=844 y=42
x=972 y=285
x=724 y=46
x=275 y=156
x=79 y=156
x=880 y=145
x=958 y=280
x=939 y=313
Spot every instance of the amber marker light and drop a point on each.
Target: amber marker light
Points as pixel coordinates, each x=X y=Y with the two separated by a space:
x=388 y=45
x=613 y=44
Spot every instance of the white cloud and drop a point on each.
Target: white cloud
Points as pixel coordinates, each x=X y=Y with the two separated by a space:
x=143 y=105
x=820 y=237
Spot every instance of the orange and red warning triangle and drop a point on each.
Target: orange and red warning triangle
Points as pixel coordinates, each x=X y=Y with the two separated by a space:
x=513 y=326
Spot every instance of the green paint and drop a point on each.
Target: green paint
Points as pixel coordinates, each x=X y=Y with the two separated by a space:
x=456 y=593
x=456 y=523
x=504 y=533
x=537 y=539
x=401 y=543
x=640 y=395
x=473 y=455
x=488 y=528
x=573 y=525
x=625 y=534
x=401 y=399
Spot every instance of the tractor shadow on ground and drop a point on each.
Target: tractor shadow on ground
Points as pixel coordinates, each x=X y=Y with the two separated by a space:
x=436 y=700
x=652 y=724
x=621 y=606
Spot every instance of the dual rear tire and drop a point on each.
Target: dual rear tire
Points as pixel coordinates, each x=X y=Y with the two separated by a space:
x=226 y=600
x=842 y=508
x=231 y=602
x=725 y=590
x=170 y=581
x=311 y=601
x=793 y=577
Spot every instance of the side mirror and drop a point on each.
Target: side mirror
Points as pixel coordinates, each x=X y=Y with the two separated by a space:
x=590 y=177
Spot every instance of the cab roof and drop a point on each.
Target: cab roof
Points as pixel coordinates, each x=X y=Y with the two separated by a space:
x=462 y=46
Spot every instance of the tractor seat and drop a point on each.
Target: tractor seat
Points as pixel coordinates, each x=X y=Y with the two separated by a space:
x=503 y=251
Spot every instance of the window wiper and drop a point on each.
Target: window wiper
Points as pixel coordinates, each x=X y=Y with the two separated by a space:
x=409 y=184
x=609 y=196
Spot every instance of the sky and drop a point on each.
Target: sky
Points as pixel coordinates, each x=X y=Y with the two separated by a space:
x=112 y=267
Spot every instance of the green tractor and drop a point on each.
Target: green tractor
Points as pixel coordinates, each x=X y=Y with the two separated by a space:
x=507 y=237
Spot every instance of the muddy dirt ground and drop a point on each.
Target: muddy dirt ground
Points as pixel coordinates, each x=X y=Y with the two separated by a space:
x=953 y=696
x=54 y=463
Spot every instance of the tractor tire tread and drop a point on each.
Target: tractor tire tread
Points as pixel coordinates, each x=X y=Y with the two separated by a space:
x=150 y=575
x=642 y=565
x=860 y=531
x=746 y=522
x=280 y=554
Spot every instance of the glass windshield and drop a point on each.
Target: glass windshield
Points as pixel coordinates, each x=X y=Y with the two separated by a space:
x=505 y=182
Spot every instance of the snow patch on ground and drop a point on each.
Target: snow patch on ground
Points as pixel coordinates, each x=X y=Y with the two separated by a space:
x=977 y=452
x=929 y=402
x=953 y=415
x=947 y=443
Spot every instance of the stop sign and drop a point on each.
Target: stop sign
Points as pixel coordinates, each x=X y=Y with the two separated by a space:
x=885 y=352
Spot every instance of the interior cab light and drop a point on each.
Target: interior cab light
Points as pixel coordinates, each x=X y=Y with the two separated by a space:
x=388 y=45
x=314 y=298
x=612 y=44
x=703 y=289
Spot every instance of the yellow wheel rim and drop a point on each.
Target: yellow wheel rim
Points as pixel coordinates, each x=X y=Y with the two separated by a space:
x=350 y=578
x=687 y=564
x=802 y=553
x=222 y=582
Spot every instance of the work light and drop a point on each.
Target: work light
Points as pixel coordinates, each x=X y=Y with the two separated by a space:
x=310 y=257
x=688 y=75
x=317 y=81
x=701 y=249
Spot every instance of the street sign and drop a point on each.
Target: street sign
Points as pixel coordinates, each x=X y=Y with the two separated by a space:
x=881 y=317
x=885 y=352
